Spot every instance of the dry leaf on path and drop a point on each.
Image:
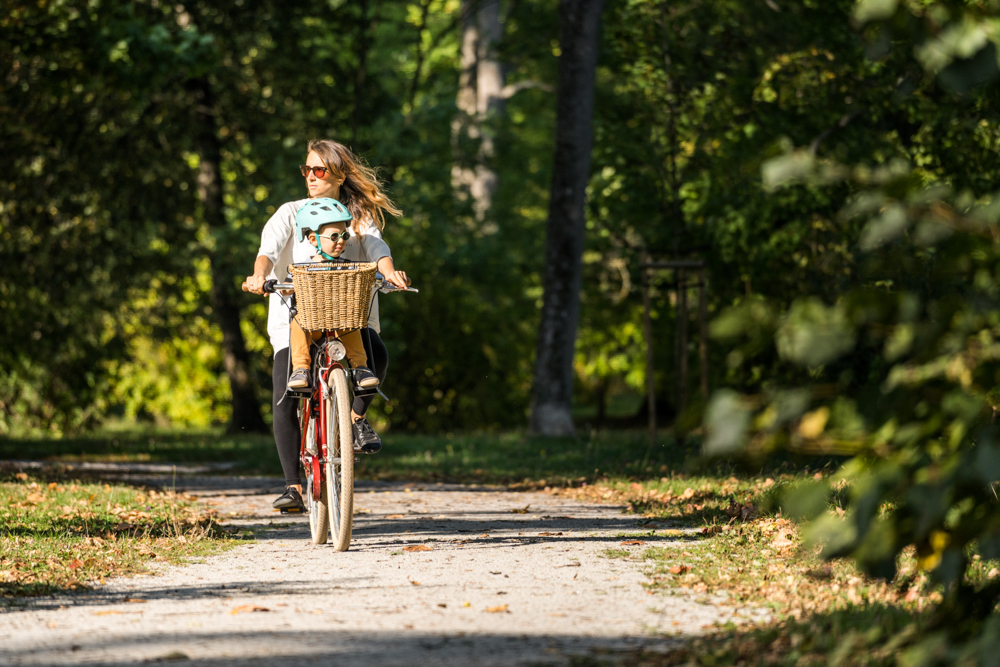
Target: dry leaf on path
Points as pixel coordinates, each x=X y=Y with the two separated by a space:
x=547 y=534
x=135 y=600
x=396 y=516
x=636 y=543
x=108 y=613
x=781 y=540
x=247 y=608
x=738 y=512
x=415 y=583
x=417 y=547
x=680 y=569
x=523 y=510
x=173 y=655
x=499 y=609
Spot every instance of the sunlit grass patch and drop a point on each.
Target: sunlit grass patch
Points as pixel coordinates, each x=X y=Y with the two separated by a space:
x=65 y=535
x=855 y=635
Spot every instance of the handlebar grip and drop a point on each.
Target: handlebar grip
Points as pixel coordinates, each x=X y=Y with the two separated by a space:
x=269 y=286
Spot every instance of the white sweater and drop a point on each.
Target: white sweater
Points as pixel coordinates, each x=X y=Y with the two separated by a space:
x=278 y=244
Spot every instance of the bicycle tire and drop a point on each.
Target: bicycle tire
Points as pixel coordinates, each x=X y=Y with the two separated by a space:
x=340 y=474
x=319 y=513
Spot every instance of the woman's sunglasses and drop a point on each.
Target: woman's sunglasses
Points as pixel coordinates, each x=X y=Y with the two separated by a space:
x=333 y=237
x=319 y=171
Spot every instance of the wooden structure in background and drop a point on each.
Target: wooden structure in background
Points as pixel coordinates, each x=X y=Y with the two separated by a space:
x=684 y=271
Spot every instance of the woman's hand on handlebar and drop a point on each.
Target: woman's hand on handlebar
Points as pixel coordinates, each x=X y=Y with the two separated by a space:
x=398 y=278
x=254 y=284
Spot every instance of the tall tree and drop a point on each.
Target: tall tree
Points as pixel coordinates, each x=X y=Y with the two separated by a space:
x=245 y=416
x=579 y=32
x=480 y=93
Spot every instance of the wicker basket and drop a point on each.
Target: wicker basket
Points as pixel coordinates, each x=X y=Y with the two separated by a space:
x=331 y=295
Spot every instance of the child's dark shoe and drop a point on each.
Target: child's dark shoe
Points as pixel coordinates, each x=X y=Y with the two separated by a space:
x=300 y=379
x=365 y=439
x=364 y=378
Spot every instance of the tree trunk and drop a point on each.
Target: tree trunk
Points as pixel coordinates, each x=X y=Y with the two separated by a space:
x=579 y=32
x=361 y=73
x=480 y=88
x=246 y=415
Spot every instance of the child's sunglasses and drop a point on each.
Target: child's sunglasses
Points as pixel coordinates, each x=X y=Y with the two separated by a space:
x=333 y=237
x=319 y=171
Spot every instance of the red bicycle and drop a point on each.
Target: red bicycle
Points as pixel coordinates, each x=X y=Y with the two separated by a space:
x=327 y=451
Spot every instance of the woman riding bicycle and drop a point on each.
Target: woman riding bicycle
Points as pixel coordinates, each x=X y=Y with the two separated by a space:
x=331 y=170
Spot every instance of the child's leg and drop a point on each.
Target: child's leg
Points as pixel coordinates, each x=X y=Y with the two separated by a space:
x=298 y=341
x=355 y=348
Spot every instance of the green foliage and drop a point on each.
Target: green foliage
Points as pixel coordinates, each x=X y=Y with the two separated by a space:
x=899 y=365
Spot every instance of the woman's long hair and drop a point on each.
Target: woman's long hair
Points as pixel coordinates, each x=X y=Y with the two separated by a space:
x=361 y=191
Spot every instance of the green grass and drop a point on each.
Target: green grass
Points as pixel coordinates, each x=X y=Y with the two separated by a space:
x=254 y=453
x=871 y=635
x=476 y=458
x=57 y=535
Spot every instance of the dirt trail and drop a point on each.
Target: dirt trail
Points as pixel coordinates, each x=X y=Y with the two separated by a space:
x=541 y=558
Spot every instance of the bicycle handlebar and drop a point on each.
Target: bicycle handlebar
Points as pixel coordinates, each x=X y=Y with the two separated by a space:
x=272 y=286
x=382 y=285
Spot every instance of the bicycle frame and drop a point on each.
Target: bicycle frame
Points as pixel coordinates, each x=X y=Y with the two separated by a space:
x=315 y=417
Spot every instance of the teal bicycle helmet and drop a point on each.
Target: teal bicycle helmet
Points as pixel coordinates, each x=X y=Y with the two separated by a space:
x=315 y=214
x=318 y=212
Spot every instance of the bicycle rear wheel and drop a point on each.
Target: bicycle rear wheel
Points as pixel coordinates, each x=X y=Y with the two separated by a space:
x=340 y=466
x=319 y=513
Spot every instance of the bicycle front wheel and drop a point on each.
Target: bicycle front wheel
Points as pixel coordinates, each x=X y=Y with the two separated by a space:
x=340 y=462
x=319 y=514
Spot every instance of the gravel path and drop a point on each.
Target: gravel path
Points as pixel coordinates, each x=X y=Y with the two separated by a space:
x=507 y=578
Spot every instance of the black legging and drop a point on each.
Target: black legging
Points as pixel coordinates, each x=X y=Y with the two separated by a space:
x=286 y=423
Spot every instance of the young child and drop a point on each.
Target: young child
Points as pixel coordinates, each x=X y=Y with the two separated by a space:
x=324 y=224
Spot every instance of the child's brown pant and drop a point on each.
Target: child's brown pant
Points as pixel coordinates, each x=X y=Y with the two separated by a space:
x=299 y=344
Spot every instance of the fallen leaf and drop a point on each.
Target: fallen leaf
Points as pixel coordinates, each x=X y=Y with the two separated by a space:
x=738 y=512
x=139 y=600
x=23 y=476
x=569 y=565
x=711 y=530
x=688 y=493
x=781 y=540
x=499 y=609
x=523 y=510
x=547 y=534
x=466 y=604
x=173 y=655
x=107 y=613
x=636 y=543
x=396 y=516
x=247 y=608
x=75 y=563
x=417 y=547
x=680 y=569
x=415 y=583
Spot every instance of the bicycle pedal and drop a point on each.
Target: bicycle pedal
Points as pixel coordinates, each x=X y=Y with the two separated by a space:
x=291 y=510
